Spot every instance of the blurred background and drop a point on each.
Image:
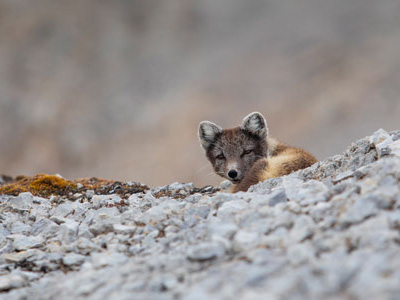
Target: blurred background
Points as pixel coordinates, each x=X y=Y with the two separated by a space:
x=116 y=89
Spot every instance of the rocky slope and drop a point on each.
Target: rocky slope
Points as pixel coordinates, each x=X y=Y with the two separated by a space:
x=329 y=231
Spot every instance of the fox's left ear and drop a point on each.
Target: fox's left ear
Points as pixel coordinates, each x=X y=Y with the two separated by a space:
x=255 y=124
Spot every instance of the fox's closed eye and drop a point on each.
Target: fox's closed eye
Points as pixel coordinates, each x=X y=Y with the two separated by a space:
x=220 y=156
x=247 y=152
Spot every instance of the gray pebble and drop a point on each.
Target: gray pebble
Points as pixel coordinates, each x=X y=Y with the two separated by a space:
x=205 y=251
x=21 y=242
x=12 y=281
x=73 y=259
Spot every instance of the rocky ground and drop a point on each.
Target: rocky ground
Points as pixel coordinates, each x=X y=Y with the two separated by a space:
x=330 y=231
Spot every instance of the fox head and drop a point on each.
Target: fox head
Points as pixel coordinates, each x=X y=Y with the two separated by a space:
x=232 y=152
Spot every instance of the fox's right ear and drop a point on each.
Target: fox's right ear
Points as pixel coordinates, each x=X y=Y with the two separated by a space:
x=208 y=132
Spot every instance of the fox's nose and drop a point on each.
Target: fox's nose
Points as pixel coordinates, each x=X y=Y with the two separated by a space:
x=232 y=174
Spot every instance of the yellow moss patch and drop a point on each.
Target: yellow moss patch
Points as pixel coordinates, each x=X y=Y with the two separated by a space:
x=45 y=185
x=12 y=189
x=39 y=185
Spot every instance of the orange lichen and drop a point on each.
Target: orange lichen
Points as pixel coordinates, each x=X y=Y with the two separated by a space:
x=51 y=184
x=45 y=185
x=12 y=189
x=39 y=185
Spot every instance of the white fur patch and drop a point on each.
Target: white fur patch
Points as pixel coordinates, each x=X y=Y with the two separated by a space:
x=232 y=166
x=253 y=125
x=208 y=132
x=256 y=124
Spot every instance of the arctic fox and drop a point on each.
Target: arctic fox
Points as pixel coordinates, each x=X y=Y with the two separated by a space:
x=247 y=154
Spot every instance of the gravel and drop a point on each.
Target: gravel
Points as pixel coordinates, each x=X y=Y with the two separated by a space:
x=329 y=231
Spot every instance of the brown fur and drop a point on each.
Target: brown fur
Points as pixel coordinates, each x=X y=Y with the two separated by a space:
x=283 y=161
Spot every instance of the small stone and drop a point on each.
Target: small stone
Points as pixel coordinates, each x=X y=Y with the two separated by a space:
x=205 y=251
x=22 y=242
x=245 y=240
x=300 y=254
x=39 y=212
x=62 y=210
x=394 y=148
x=45 y=227
x=226 y=185
x=153 y=215
x=73 y=259
x=363 y=207
x=180 y=186
x=232 y=207
x=12 y=281
x=394 y=220
x=303 y=228
x=193 y=215
x=17 y=257
x=321 y=210
x=223 y=229
x=76 y=196
x=379 y=136
x=283 y=219
x=79 y=185
x=292 y=187
x=383 y=148
x=124 y=229
x=84 y=231
x=101 y=260
x=277 y=196
x=68 y=231
x=98 y=201
x=270 y=199
x=101 y=227
x=89 y=193
x=19 y=227
x=22 y=203
x=85 y=246
x=163 y=283
x=343 y=176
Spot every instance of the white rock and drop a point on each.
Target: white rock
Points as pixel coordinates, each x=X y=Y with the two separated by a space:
x=300 y=254
x=223 y=229
x=206 y=251
x=124 y=229
x=395 y=148
x=72 y=259
x=303 y=228
x=12 y=281
x=245 y=240
x=22 y=242
x=68 y=231
x=232 y=207
x=380 y=136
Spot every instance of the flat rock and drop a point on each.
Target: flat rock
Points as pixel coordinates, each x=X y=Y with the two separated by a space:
x=245 y=240
x=21 y=242
x=73 y=259
x=12 y=281
x=205 y=251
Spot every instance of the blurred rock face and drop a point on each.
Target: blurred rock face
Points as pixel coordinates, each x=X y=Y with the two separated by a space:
x=117 y=89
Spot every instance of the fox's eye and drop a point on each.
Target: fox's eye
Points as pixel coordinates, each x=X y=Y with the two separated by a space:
x=220 y=156
x=247 y=152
